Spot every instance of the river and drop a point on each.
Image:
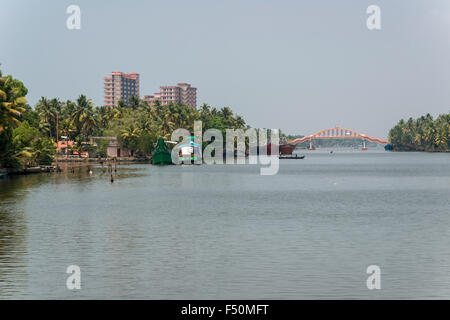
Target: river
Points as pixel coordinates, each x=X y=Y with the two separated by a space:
x=226 y=232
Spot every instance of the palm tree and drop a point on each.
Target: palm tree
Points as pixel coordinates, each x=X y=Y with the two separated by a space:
x=423 y=134
x=43 y=109
x=66 y=128
x=88 y=122
x=130 y=132
x=117 y=112
x=134 y=102
x=103 y=116
x=240 y=122
x=68 y=109
x=122 y=104
x=48 y=111
x=227 y=113
x=12 y=100
x=130 y=136
x=205 y=109
x=25 y=156
x=83 y=118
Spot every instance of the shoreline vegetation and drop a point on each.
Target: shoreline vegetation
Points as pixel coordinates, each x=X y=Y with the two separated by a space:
x=424 y=134
x=29 y=136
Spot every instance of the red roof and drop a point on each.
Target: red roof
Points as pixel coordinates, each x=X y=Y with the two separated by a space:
x=65 y=144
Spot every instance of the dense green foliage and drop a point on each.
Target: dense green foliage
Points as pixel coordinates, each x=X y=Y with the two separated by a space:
x=139 y=125
x=422 y=134
x=28 y=137
x=21 y=144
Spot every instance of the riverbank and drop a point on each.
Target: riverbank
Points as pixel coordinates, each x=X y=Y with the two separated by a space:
x=31 y=170
x=102 y=160
x=62 y=163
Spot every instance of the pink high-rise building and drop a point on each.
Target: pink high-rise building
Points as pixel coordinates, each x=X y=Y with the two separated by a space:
x=182 y=93
x=120 y=86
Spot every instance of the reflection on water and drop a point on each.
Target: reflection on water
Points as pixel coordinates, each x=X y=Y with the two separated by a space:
x=13 y=234
x=222 y=232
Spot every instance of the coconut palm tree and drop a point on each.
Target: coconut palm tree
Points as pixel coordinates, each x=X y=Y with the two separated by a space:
x=423 y=134
x=83 y=113
x=117 y=112
x=88 y=122
x=122 y=104
x=227 y=113
x=12 y=107
x=12 y=100
x=130 y=136
x=134 y=102
x=240 y=122
x=103 y=115
x=66 y=128
x=48 y=111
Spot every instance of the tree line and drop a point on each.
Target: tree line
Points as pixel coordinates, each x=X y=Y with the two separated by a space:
x=28 y=135
x=422 y=134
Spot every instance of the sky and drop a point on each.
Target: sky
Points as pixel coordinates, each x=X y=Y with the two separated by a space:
x=300 y=66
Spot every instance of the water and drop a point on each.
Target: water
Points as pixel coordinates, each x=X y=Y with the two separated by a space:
x=225 y=232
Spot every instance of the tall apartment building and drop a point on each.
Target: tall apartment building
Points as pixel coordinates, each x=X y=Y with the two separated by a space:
x=120 y=86
x=182 y=93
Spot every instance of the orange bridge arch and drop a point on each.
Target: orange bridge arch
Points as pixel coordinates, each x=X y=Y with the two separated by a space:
x=339 y=133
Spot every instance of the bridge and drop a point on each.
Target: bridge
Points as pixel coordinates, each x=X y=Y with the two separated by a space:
x=338 y=133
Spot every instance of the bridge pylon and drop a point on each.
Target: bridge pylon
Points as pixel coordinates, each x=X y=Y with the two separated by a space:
x=311 y=147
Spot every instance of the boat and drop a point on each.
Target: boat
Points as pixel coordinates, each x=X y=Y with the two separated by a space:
x=161 y=155
x=33 y=170
x=286 y=148
x=290 y=156
x=3 y=174
x=282 y=149
x=190 y=152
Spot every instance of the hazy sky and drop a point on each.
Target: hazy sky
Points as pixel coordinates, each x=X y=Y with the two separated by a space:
x=300 y=66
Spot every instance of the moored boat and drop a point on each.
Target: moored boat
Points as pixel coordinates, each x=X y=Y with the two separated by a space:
x=287 y=148
x=33 y=170
x=282 y=148
x=190 y=152
x=291 y=156
x=161 y=155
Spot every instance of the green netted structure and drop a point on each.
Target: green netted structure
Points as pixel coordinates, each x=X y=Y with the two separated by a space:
x=161 y=155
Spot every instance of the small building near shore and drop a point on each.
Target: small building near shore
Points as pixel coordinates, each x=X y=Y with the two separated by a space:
x=115 y=151
x=63 y=147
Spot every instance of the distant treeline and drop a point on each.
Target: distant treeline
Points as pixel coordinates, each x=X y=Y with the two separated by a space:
x=337 y=143
x=422 y=134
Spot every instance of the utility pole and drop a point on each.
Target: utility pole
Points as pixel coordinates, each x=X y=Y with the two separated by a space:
x=57 y=140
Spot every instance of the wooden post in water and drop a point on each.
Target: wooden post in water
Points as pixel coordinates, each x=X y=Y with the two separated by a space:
x=57 y=140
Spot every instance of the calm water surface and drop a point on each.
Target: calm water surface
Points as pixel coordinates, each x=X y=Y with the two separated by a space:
x=225 y=232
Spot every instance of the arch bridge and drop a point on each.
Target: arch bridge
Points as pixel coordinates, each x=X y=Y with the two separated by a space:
x=338 y=133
